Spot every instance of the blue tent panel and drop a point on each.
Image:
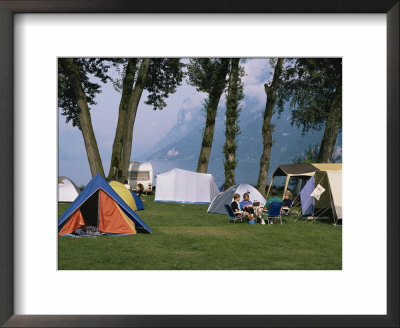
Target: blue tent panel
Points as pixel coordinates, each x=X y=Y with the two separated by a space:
x=93 y=186
x=307 y=201
x=138 y=201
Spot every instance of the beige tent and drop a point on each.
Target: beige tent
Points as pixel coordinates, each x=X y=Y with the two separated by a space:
x=331 y=198
x=299 y=170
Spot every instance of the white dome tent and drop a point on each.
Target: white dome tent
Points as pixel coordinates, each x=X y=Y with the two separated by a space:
x=186 y=187
x=67 y=190
x=217 y=205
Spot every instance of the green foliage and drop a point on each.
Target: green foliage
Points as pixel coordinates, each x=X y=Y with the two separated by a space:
x=233 y=107
x=87 y=67
x=233 y=102
x=121 y=70
x=277 y=87
x=205 y=74
x=210 y=105
x=208 y=75
x=186 y=237
x=310 y=85
x=163 y=77
x=309 y=156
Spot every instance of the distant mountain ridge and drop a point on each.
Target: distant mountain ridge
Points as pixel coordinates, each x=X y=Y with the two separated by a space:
x=188 y=120
x=183 y=141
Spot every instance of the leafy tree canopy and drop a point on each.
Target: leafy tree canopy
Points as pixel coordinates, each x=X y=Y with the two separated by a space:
x=310 y=155
x=310 y=85
x=97 y=67
x=204 y=74
x=233 y=103
x=163 y=77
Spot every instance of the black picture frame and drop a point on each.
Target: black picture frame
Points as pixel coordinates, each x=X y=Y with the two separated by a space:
x=10 y=7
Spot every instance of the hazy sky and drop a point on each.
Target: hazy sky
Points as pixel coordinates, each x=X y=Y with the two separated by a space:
x=150 y=126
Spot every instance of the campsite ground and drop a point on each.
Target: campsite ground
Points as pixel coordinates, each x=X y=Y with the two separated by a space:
x=186 y=237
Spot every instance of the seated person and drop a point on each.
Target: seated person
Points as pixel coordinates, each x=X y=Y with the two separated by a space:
x=246 y=205
x=286 y=203
x=270 y=200
x=126 y=184
x=235 y=206
x=139 y=190
x=274 y=198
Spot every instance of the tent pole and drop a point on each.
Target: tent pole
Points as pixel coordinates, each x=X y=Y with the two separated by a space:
x=98 y=209
x=286 y=185
x=269 y=187
x=312 y=198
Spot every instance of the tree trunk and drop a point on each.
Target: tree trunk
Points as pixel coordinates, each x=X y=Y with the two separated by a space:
x=333 y=124
x=267 y=127
x=231 y=129
x=85 y=121
x=115 y=172
x=211 y=109
x=131 y=116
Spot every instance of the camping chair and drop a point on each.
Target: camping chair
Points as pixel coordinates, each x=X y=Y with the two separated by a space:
x=233 y=216
x=274 y=211
x=286 y=211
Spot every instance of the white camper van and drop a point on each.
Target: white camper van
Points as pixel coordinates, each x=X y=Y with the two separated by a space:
x=141 y=173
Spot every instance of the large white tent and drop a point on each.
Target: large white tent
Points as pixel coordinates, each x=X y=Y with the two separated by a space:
x=217 y=205
x=181 y=186
x=67 y=190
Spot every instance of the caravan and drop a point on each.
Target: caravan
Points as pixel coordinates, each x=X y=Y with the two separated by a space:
x=141 y=173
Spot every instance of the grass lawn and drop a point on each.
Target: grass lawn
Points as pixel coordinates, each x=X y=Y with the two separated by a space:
x=186 y=237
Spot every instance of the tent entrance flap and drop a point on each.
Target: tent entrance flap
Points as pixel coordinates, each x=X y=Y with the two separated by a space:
x=330 y=202
x=307 y=201
x=90 y=210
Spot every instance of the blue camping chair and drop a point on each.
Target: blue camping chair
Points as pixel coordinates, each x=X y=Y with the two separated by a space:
x=233 y=217
x=274 y=211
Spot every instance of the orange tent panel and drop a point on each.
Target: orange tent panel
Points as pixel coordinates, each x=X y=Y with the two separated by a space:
x=76 y=221
x=111 y=218
x=128 y=220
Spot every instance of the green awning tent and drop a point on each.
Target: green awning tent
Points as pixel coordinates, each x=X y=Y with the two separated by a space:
x=330 y=201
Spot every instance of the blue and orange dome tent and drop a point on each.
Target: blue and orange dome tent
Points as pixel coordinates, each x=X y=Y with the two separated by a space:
x=100 y=206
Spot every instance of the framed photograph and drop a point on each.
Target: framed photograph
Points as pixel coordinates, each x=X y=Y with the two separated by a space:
x=33 y=289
